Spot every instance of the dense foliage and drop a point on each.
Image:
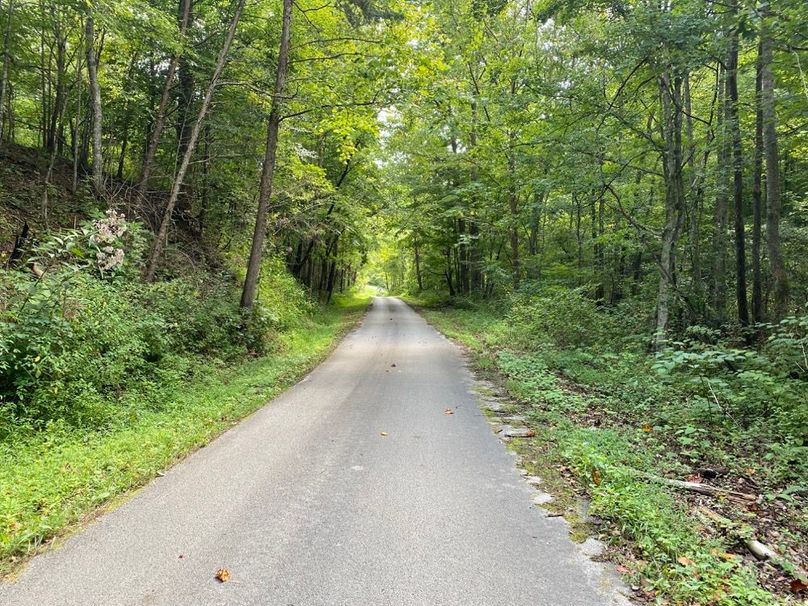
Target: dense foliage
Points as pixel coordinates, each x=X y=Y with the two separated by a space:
x=650 y=151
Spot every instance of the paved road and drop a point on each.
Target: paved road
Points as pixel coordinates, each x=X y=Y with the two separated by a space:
x=308 y=503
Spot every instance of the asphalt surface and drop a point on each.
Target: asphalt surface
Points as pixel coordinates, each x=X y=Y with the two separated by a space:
x=353 y=487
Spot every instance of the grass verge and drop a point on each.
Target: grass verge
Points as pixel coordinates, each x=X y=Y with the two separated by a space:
x=588 y=443
x=53 y=480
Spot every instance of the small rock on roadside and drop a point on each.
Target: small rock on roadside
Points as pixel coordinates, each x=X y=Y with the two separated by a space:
x=592 y=548
x=542 y=498
x=492 y=405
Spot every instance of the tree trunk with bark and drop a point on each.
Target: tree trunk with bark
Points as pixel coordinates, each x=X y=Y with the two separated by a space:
x=719 y=298
x=4 y=74
x=757 y=202
x=417 y=264
x=671 y=99
x=268 y=170
x=780 y=287
x=737 y=176
x=513 y=227
x=76 y=124
x=95 y=104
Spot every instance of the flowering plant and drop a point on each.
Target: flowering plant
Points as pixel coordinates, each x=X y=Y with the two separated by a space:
x=106 y=238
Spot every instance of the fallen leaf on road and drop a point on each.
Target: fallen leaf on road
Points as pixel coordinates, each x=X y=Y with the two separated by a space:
x=223 y=575
x=383 y=433
x=448 y=411
x=621 y=569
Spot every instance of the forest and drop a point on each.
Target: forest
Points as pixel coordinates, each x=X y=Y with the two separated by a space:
x=604 y=201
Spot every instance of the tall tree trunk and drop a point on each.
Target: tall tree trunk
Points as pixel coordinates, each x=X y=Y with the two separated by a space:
x=186 y=89
x=4 y=74
x=670 y=92
x=162 y=108
x=474 y=258
x=157 y=247
x=77 y=124
x=694 y=227
x=598 y=264
x=463 y=258
x=418 y=264
x=56 y=119
x=757 y=202
x=205 y=198
x=721 y=204
x=268 y=169
x=513 y=227
x=43 y=78
x=124 y=145
x=780 y=286
x=448 y=273
x=737 y=175
x=474 y=276
x=59 y=102
x=95 y=101
x=331 y=271
x=536 y=222
x=579 y=240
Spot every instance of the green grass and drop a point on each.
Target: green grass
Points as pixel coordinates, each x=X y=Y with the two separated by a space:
x=599 y=440
x=51 y=481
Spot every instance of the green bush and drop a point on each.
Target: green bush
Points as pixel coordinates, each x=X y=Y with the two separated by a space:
x=83 y=343
x=564 y=318
x=746 y=385
x=283 y=302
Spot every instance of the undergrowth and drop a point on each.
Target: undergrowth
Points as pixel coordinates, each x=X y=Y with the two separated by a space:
x=51 y=479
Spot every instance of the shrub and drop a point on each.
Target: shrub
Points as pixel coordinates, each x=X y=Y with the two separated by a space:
x=80 y=341
x=283 y=302
x=566 y=318
x=746 y=385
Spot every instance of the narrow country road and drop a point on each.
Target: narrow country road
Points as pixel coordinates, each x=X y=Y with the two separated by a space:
x=353 y=487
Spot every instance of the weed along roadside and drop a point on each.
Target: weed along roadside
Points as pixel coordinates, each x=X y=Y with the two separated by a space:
x=53 y=480
x=684 y=509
